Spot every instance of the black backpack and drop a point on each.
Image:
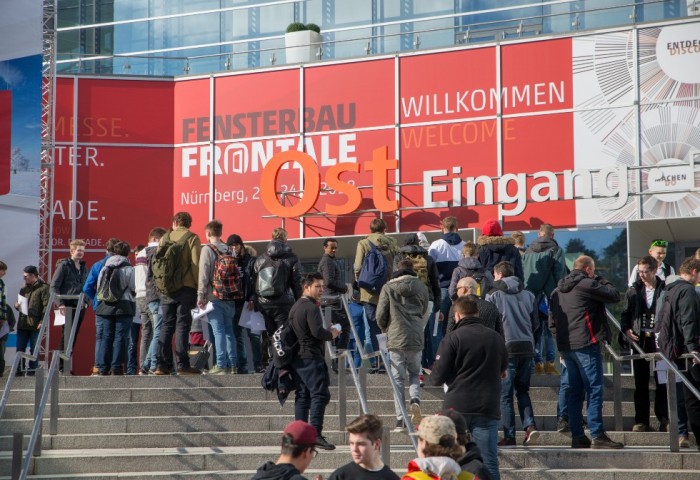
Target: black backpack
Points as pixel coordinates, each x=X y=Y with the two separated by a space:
x=110 y=285
x=669 y=337
x=272 y=277
x=285 y=346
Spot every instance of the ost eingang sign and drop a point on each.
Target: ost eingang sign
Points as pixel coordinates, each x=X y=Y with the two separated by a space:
x=548 y=135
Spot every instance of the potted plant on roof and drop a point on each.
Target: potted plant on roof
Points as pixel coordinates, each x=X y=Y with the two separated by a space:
x=302 y=42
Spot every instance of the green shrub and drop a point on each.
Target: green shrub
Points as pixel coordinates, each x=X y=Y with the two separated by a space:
x=313 y=27
x=296 y=27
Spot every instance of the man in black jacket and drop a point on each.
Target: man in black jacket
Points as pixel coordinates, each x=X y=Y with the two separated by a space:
x=333 y=287
x=685 y=312
x=579 y=321
x=473 y=358
x=68 y=279
x=309 y=366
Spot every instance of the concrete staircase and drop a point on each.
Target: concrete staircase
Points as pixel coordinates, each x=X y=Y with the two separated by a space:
x=226 y=426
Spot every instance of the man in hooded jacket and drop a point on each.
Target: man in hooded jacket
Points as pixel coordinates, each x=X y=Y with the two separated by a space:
x=495 y=248
x=403 y=303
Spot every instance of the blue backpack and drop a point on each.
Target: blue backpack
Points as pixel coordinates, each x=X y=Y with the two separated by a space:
x=375 y=270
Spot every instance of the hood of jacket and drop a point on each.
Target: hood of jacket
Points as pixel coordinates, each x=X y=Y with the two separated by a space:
x=116 y=261
x=470 y=263
x=471 y=454
x=542 y=244
x=569 y=282
x=382 y=241
x=672 y=280
x=277 y=249
x=406 y=283
x=509 y=284
x=444 y=468
x=452 y=238
x=272 y=471
x=495 y=241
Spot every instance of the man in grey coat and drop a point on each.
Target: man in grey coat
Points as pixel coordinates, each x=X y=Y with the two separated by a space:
x=401 y=310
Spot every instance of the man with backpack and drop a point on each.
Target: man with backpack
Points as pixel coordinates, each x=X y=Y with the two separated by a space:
x=309 y=365
x=543 y=267
x=401 y=314
x=148 y=303
x=373 y=259
x=678 y=330
x=175 y=270
x=579 y=322
x=278 y=282
x=470 y=266
x=220 y=284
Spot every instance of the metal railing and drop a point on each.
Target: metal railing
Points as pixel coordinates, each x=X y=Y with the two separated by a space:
x=42 y=388
x=673 y=372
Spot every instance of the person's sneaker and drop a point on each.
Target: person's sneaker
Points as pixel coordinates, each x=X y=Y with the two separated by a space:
x=161 y=371
x=400 y=427
x=421 y=380
x=683 y=441
x=550 y=369
x=531 y=436
x=143 y=371
x=581 y=442
x=426 y=371
x=641 y=427
x=216 y=370
x=95 y=372
x=507 y=442
x=603 y=441
x=563 y=425
x=539 y=368
x=188 y=371
x=324 y=444
x=416 y=415
x=232 y=371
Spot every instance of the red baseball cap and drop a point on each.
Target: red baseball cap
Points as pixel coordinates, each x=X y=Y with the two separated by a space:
x=301 y=432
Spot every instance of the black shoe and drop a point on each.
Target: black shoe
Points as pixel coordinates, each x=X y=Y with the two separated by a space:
x=324 y=444
x=581 y=442
x=603 y=441
x=400 y=426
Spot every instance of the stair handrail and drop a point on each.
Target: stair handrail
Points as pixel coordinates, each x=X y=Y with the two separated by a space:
x=32 y=357
x=386 y=358
x=34 y=445
x=672 y=372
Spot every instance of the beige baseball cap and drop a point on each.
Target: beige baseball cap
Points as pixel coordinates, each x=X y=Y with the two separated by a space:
x=434 y=427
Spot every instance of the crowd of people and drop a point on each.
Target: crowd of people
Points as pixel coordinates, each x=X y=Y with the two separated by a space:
x=479 y=318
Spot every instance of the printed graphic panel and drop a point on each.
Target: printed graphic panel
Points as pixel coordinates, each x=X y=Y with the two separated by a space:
x=257 y=105
x=532 y=189
x=447 y=162
x=448 y=86
x=354 y=95
x=357 y=148
x=5 y=140
x=536 y=76
x=64 y=98
x=191 y=115
x=124 y=193
x=124 y=111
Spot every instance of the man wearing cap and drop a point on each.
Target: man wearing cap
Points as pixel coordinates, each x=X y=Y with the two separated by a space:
x=494 y=248
x=437 y=448
x=657 y=249
x=473 y=358
x=298 y=449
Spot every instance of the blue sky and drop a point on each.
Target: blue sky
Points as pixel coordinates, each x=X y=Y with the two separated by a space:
x=23 y=77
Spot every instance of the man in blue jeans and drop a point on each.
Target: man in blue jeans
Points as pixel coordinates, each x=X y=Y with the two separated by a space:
x=471 y=361
x=309 y=367
x=521 y=323
x=577 y=315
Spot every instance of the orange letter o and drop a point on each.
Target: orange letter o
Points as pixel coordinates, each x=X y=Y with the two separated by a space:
x=268 y=184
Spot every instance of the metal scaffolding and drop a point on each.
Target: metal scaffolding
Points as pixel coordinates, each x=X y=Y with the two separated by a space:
x=48 y=88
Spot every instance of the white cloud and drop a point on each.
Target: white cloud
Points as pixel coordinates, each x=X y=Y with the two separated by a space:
x=11 y=75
